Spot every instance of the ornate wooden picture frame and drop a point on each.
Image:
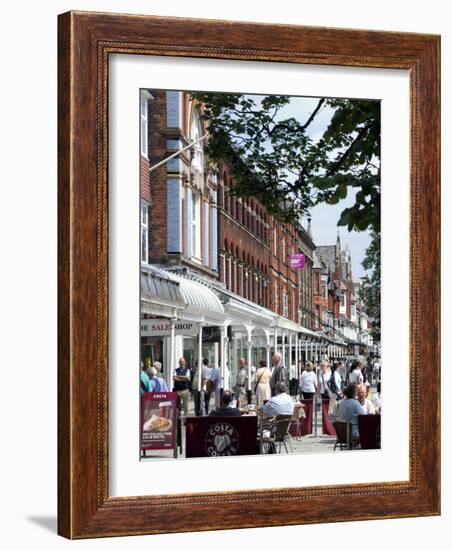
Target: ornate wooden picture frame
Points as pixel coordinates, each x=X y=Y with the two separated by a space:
x=86 y=40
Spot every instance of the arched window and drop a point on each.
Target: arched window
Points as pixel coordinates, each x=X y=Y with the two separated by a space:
x=239 y=211
x=227 y=196
x=231 y=266
x=227 y=272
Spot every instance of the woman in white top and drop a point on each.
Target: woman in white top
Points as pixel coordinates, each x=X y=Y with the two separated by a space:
x=308 y=382
x=356 y=376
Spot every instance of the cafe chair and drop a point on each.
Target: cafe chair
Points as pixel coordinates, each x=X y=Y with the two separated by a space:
x=341 y=436
x=279 y=434
x=294 y=428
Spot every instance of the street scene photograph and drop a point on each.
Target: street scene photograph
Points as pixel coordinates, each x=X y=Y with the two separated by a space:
x=260 y=275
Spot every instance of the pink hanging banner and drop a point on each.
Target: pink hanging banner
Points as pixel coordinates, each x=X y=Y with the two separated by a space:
x=297 y=261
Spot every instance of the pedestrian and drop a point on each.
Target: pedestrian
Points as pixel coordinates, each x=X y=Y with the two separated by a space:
x=323 y=375
x=214 y=383
x=181 y=381
x=199 y=388
x=262 y=384
x=334 y=390
x=293 y=379
x=208 y=390
x=367 y=375
x=355 y=376
x=376 y=371
x=146 y=385
x=241 y=383
x=308 y=382
x=279 y=372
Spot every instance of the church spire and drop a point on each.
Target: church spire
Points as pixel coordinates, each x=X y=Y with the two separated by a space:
x=338 y=247
x=309 y=230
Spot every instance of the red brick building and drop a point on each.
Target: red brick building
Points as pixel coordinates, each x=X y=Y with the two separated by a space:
x=193 y=225
x=190 y=218
x=334 y=293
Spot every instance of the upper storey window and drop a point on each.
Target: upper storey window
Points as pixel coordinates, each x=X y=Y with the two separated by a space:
x=145 y=97
x=197 y=150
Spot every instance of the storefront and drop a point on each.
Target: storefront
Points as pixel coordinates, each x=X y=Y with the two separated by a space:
x=161 y=300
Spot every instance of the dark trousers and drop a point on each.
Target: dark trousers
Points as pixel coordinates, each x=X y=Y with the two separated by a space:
x=293 y=386
x=198 y=398
x=207 y=396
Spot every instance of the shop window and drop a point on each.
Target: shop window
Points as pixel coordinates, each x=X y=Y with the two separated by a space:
x=285 y=305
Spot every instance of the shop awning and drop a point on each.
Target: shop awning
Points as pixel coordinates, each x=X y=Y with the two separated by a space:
x=201 y=303
x=160 y=293
x=306 y=332
x=243 y=312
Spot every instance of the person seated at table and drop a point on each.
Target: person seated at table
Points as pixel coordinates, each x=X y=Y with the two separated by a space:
x=376 y=399
x=349 y=408
x=225 y=408
x=281 y=403
x=362 y=395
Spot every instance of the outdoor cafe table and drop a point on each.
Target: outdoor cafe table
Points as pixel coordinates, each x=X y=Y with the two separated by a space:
x=221 y=436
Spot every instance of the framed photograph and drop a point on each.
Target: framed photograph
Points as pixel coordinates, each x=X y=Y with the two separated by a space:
x=248 y=251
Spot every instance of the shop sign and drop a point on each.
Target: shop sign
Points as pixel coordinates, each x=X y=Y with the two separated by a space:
x=162 y=327
x=297 y=261
x=158 y=421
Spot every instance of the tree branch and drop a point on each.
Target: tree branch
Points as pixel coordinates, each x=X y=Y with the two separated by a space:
x=314 y=113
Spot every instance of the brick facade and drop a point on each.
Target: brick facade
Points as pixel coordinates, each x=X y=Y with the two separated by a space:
x=195 y=220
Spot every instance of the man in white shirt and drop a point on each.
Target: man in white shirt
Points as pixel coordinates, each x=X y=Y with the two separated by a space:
x=281 y=403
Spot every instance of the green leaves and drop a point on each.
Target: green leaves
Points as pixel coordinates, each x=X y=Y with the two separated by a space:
x=371 y=288
x=277 y=160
